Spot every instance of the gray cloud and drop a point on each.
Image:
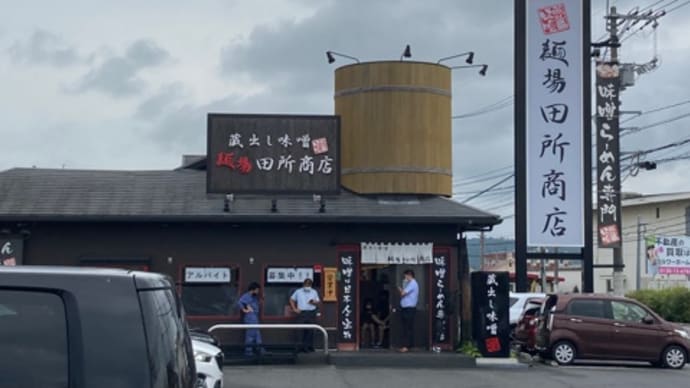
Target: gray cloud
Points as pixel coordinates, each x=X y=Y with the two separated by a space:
x=118 y=76
x=161 y=102
x=43 y=48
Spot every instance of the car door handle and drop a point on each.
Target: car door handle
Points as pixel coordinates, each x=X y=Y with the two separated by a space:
x=575 y=320
x=618 y=324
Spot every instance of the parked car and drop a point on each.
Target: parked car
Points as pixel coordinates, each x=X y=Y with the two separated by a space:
x=525 y=333
x=77 y=327
x=604 y=327
x=209 y=363
x=518 y=300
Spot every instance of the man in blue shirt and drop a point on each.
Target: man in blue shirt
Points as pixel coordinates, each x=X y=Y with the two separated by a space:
x=409 y=295
x=304 y=302
x=249 y=305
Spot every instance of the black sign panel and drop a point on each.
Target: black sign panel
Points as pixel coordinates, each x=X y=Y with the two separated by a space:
x=490 y=313
x=347 y=292
x=266 y=154
x=11 y=251
x=441 y=298
x=608 y=156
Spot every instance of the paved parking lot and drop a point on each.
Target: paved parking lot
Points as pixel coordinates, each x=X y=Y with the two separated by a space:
x=538 y=376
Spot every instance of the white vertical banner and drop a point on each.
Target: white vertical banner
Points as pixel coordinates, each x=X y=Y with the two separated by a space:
x=555 y=127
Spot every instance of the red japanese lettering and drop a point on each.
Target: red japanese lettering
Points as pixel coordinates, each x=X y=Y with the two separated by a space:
x=244 y=165
x=493 y=344
x=226 y=159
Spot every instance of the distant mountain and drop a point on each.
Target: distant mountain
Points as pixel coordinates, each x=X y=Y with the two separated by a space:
x=491 y=245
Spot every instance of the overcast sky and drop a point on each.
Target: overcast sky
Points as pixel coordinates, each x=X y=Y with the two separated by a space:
x=127 y=84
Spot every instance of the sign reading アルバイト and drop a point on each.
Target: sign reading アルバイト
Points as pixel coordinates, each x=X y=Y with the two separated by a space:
x=554 y=123
x=266 y=154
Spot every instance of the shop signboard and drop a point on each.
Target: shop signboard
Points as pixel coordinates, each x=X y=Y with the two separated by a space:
x=490 y=309
x=408 y=254
x=441 y=302
x=207 y=275
x=554 y=124
x=668 y=255
x=11 y=250
x=608 y=156
x=347 y=289
x=273 y=154
x=289 y=274
x=329 y=284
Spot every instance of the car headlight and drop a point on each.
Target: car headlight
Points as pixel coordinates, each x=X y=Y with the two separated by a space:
x=202 y=356
x=682 y=333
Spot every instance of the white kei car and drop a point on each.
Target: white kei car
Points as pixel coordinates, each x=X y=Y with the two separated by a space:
x=518 y=300
x=209 y=364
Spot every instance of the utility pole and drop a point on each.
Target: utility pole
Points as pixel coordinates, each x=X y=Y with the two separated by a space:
x=618 y=262
x=638 y=277
x=556 y=274
x=481 y=251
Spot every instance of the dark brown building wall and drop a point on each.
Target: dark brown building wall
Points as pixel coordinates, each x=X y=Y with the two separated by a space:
x=169 y=247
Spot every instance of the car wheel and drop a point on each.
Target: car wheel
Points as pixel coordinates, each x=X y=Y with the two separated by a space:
x=563 y=352
x=674 y=357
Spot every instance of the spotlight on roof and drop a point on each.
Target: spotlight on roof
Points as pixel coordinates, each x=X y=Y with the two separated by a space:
x=407 y=53
x=330 y=55
x=468 y=60
x=482 y=70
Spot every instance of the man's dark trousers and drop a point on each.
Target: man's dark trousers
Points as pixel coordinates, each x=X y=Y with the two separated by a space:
x=408 y=315
x=307 y=334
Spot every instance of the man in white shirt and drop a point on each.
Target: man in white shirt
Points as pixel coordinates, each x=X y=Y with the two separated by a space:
x=304 y=303
x=409 y=296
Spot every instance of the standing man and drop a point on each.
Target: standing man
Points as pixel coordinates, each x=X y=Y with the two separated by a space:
x=409 y=294
x=304 y=302
x=249 y=305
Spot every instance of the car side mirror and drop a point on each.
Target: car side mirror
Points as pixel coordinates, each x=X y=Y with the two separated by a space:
x=648 y=320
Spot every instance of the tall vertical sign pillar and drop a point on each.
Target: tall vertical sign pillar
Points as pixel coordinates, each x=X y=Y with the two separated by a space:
x=553 y=133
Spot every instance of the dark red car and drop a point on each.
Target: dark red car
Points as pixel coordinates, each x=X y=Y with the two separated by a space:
x=603 y=327
x=525 y=333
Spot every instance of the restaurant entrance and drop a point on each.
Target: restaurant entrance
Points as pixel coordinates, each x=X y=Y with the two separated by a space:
x=379 y=288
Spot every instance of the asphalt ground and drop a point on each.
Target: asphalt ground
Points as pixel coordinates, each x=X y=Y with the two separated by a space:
x=539 y=375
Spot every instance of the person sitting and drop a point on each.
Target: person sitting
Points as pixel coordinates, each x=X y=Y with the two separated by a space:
x=381 y=319
x=368 y=323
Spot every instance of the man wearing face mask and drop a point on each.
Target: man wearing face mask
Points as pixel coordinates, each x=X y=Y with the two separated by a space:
x=409 y=294
x=304 y=302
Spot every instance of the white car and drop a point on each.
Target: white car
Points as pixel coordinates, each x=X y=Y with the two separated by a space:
x=209 y=364
x=518 y=300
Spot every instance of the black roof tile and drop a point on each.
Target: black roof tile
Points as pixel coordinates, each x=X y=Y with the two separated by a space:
x=180 y=195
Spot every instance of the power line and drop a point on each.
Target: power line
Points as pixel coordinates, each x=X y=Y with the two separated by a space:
x=487 y=172
x=655 y=110
x=500 y=104
x=645 y=127
x=489 y=188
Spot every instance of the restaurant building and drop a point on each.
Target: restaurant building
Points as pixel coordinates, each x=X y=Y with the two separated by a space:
x=351 y=200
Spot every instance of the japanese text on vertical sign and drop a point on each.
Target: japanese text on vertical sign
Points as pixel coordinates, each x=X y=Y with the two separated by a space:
x=347 y=320
x=440 y=293
x=608 y=153
x=554 y=124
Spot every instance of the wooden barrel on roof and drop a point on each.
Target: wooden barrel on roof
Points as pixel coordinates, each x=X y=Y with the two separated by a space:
x=395 y=127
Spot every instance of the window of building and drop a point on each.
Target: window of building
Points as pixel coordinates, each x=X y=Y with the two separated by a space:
x=658 y=213
x=33 y=334
x=279 y=285
x=210 y=291
x=587 y=308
